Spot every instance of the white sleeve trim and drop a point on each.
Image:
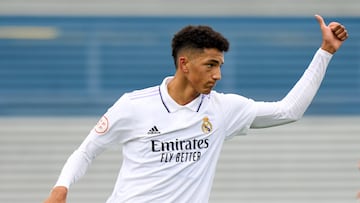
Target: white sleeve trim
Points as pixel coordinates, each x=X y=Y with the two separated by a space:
x=292 y=107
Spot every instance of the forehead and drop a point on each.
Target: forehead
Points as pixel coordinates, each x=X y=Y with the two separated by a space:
x=212 y=55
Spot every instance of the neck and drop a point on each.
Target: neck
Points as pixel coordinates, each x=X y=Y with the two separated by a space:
x=180 y=92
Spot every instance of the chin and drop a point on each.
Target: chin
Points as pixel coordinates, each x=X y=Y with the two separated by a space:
x=206 y=91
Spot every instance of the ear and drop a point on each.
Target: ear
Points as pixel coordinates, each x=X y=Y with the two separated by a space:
x=183 y=64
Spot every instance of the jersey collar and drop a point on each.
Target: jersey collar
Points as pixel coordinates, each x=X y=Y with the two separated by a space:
x=171 y=106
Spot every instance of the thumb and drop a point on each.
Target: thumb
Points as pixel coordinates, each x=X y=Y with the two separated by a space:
x=320 y=20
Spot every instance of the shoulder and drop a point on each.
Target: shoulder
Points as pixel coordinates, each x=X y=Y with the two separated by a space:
x=132 y=103
x=143 y=93
x=230 y=103
x=226 y=98
x=129 y=98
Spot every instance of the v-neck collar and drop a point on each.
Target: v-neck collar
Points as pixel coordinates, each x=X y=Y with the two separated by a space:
x=171 y=105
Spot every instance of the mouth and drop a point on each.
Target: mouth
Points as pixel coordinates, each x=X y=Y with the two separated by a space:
x=211 y=85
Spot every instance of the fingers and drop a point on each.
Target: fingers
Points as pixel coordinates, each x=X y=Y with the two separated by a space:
x=339 y=31
x=320 y=20
x=333 y=35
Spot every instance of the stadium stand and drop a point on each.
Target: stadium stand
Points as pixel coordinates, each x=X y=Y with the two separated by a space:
x=81 y=65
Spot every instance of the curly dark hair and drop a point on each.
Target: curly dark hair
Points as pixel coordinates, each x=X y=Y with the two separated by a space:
x=198 y=37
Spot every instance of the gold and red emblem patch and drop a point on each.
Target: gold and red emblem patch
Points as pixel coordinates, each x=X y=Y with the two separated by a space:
x=102 y=125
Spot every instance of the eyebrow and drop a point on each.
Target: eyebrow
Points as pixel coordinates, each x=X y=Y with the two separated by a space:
x=216 y=61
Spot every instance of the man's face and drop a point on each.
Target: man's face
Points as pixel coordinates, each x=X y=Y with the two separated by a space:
x=204 y=70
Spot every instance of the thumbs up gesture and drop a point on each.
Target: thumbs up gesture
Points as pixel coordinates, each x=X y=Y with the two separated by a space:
x=333 y=35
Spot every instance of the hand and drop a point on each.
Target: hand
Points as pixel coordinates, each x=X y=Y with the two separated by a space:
x=57 y=195
x=333 y=35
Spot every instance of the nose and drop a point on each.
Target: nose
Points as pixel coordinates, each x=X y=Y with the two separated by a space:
x=217 y=73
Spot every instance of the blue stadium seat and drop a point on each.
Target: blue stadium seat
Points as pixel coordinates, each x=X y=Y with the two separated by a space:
x=94 y=60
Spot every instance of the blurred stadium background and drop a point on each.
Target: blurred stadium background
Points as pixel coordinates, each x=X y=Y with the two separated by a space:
x=63 y=63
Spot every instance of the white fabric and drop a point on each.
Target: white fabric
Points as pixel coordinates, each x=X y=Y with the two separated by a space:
x=292 y=107
x=170 y=151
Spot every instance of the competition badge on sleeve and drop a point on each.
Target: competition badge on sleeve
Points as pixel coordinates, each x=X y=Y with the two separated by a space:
x=102 y=125
x=206 y=125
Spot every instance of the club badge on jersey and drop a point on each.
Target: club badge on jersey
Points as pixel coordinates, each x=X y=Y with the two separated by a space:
x=206 y=125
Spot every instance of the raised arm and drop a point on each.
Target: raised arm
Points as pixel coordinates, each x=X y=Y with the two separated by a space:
x=292 y=107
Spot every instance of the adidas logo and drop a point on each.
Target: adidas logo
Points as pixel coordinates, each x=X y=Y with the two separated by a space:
x=153 y=131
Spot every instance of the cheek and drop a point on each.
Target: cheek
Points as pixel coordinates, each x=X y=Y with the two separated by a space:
x=197 y=77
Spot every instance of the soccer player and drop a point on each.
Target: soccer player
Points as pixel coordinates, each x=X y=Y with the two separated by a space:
x=172 y=134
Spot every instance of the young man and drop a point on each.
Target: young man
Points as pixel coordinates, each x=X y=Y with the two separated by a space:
x=172 y=134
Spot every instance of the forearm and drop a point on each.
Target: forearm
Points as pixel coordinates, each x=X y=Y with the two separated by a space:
x=78 y=163
x=295 y=103
x=74 y=168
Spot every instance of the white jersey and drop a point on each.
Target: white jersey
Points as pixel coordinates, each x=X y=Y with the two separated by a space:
x=170 y=151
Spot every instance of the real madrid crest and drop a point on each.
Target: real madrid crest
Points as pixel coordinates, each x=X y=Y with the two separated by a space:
x=206 y=125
